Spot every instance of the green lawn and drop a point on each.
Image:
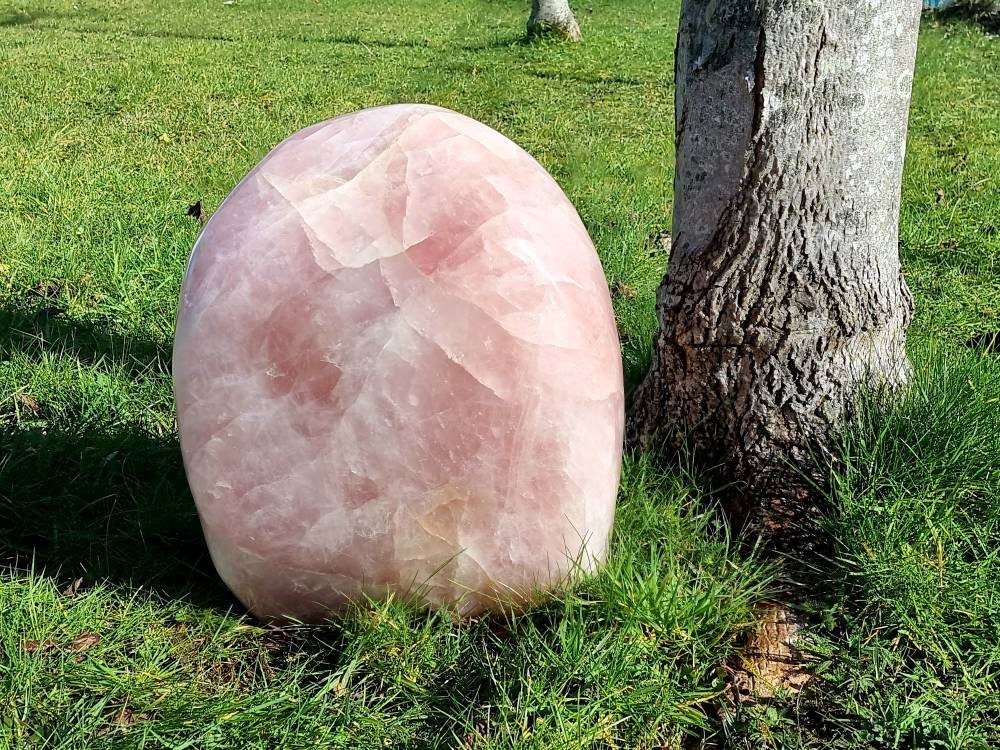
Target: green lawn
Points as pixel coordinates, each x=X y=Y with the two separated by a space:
x=116 y=116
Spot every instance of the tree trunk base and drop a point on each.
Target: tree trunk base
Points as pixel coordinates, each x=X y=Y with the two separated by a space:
x=784 y=298
x=553 y=19
x=566 y=32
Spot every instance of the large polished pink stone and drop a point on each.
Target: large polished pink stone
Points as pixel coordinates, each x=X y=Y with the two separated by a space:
x=397 y=372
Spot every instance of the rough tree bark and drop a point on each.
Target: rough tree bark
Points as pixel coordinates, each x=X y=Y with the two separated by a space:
x=553 y=17
x=784 y=293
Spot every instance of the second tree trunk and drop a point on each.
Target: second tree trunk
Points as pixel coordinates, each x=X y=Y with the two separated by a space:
x=553 y=17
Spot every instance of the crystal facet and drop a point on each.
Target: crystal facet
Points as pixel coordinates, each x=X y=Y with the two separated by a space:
x=397 y=372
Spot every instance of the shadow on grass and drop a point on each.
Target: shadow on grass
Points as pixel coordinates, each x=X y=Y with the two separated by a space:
x=505 y=41
x=84 y=493
x=986 y=15
x=35 y=332
x=347 y=39
x=17 y=17
x=587 y=79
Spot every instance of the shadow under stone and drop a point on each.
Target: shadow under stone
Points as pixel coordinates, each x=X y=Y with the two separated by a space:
x=37 y=330
x=84 y=493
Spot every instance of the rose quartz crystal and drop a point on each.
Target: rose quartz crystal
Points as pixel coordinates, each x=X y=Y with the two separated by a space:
x=397 y=372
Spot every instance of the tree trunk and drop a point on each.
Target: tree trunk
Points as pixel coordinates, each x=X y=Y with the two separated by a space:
x=784 y=293
x=553 y=17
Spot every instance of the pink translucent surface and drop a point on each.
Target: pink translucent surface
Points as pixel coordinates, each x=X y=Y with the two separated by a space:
x=397 y=370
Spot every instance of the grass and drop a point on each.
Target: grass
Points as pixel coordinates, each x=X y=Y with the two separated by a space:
x=906 y=636
x=121 y=115
x=630 y=656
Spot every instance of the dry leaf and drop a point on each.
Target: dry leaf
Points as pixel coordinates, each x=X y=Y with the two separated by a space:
x=73 y=588
x=84 y=641
x=659 y=243
x=31 y=646
x=772 y=660
x=48 y=288
x=621 y=289
x=28 y=403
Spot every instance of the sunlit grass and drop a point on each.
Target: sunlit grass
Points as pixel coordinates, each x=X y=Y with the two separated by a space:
x=120 y=115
